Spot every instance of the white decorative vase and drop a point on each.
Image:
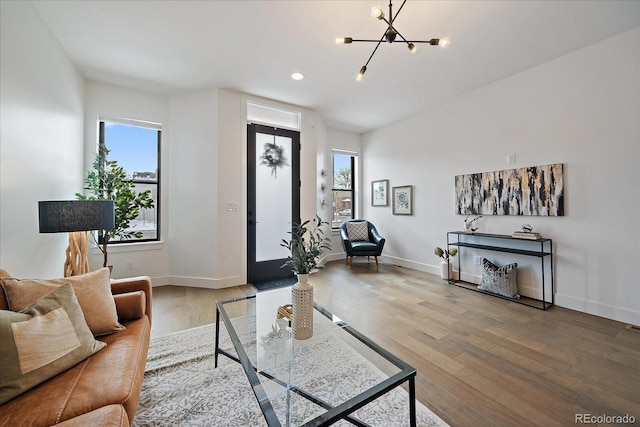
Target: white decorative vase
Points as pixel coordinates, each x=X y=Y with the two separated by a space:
x=445 y=269
x=302 y=301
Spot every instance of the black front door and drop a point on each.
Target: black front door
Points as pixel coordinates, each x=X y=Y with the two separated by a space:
x=273 y=199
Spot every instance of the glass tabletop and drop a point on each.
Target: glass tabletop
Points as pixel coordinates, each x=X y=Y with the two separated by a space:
x=316 y=381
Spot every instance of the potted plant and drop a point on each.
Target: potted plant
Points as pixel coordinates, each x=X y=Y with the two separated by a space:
x=108 y=181
x=305 y=247
x=445 y=265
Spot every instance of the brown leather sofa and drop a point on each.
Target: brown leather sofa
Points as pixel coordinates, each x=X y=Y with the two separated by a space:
x=104 y=389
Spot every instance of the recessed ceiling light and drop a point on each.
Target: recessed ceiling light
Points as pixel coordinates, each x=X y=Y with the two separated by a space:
x=297 y=76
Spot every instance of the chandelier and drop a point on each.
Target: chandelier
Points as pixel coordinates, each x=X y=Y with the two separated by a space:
x=390 y=35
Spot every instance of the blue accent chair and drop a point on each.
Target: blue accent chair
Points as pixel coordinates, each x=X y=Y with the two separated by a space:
x=371 y=248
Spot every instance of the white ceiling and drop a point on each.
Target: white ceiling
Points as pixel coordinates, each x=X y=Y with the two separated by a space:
x=254 y=46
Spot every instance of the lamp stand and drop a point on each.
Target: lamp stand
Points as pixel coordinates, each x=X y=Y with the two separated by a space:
x=77 y=261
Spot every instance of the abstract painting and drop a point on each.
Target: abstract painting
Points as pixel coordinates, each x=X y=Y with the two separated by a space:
x=533 y=191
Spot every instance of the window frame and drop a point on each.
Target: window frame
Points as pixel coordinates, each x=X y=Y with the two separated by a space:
x=102 y=120
x=353 y=162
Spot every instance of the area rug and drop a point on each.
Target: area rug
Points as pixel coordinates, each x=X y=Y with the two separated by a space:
x=182 y=388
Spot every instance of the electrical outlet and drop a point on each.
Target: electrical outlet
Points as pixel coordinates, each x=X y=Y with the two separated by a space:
x=511 y=158
x=130 y=265
x=477 y=260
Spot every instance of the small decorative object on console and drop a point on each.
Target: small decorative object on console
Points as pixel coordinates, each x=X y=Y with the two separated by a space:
x=526 y=233
x=468 y=224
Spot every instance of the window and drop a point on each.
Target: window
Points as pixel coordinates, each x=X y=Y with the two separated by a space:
x=343 y=187
x=135 y=146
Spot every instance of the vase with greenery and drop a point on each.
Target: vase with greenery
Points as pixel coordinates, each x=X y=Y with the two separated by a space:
x=445 y=266
x=305 y=247
x=109 y=181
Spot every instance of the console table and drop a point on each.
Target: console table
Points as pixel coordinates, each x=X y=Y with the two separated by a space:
x=540 y=248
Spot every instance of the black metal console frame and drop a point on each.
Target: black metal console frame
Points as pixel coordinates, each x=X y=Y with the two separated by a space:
x=543 y=250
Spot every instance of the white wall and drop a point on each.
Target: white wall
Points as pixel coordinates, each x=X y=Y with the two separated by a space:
x=582 y=110
x=232 y=178
x=118 y=102
x=193 y=188
x=41 y=125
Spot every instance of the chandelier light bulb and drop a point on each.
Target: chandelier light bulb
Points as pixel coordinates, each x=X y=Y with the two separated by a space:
x=360 y=75
x=377 y=12
x=412 y=48
x=344 y=40
x=444 y=43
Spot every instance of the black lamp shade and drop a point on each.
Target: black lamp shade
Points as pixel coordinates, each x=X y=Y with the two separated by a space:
x=59 y=216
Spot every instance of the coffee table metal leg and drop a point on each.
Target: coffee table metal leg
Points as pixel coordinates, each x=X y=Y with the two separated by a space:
x=412 y=401
x=217 y=337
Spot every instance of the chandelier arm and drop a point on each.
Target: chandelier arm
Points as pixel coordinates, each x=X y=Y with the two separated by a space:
x=403 y=40
x=393 y=18
x=374 y=51
x=371 y=41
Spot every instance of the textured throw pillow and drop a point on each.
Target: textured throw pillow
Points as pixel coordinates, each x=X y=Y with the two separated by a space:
x=499 y=280
x=358 y=231
x=48 y=337
x=93 y=291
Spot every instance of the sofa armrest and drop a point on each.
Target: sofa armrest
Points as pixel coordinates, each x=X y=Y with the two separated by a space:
x=130 y=305
x=106 y=416
x=132 y=284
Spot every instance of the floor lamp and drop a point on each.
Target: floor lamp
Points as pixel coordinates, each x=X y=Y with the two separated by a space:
x=78 y=218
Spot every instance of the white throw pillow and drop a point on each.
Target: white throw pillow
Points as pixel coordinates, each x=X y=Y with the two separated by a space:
x=358 y=231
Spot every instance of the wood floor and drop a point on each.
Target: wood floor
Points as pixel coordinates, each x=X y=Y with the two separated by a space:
x=481 y=361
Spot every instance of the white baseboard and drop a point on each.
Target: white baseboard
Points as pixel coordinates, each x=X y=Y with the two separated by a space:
x=197 y=282
x=597 y=309
x=420 y=266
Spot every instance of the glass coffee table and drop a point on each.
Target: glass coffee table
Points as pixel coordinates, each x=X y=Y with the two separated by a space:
x=311 y=382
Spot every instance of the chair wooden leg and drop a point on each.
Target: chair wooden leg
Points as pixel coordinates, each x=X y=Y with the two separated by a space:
x=349 y=261
x=376 y=262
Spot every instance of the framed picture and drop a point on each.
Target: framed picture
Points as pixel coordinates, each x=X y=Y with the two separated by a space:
x=380 y=193
x=402 y=200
